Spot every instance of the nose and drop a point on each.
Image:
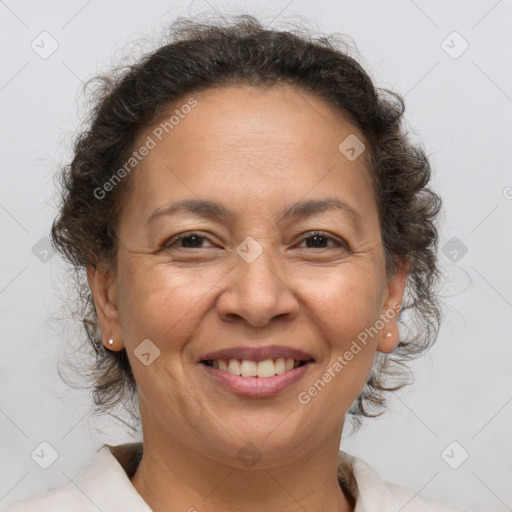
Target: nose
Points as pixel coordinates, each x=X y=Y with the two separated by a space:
x=257 y=293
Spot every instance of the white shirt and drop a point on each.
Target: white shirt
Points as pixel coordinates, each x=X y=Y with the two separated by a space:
x=104 y=485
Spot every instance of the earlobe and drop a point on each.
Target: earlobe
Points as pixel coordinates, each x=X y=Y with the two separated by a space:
x=104 y=290
x=389 y=335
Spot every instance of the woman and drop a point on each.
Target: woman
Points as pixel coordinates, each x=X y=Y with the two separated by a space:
x=251 y=219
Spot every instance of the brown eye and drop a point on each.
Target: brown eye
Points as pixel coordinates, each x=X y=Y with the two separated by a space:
x=319 y=240
x=186 y=241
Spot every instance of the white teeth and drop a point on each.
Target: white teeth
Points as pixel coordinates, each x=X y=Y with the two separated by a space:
x=262 y=369
x=248 y=368
x=280 y=365
x=234 y=367
x=266 y=368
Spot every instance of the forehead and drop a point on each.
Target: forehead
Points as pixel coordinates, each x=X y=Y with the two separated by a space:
x=239 y=142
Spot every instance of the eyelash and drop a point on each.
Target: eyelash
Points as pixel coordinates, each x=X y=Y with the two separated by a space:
x=311 y=234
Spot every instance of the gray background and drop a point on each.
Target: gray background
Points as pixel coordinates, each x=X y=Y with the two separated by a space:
x=460 y=106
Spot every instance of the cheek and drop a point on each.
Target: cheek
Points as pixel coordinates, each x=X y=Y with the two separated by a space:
x=162 y=303
x=344 y=303
x=345 y=308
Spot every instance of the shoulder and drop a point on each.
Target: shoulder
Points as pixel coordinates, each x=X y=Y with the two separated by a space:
x=57 y=500
x=102 y=485
x=373 y=493
x=413 y=502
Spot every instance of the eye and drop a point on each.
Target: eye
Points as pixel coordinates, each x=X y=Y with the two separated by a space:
x=314 y=240
x=190 y=240
x=318 y=239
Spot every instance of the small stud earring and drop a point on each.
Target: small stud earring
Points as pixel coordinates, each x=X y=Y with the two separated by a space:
x=388 y=334
x=110 y=341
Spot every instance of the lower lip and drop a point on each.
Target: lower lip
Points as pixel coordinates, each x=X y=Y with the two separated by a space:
x=257 y=387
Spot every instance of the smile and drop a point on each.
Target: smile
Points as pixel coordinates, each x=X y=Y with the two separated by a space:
x=248 y=368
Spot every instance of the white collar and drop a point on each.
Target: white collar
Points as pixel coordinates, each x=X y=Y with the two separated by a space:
x=105 y=481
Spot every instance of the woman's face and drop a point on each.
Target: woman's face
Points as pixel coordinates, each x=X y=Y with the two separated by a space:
x=277 y=268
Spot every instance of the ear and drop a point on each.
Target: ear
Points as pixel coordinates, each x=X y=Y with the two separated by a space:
x=391 y=309
x=104 y=290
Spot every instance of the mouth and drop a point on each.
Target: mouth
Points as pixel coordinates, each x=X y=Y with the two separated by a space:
x=250 y=368
x=256 y=372
x=262 y=362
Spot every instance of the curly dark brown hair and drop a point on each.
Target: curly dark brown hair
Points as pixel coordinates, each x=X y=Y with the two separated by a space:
x=202 y=55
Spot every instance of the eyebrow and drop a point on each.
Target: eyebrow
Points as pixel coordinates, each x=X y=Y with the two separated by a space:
x=211 y=210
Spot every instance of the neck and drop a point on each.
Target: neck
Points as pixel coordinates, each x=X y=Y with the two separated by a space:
x=172 y=478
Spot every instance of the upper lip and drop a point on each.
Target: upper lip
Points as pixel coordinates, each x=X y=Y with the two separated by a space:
x=257 y=353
